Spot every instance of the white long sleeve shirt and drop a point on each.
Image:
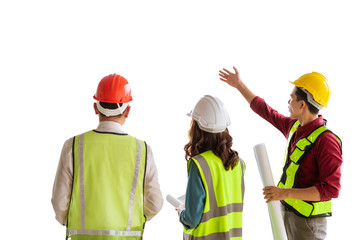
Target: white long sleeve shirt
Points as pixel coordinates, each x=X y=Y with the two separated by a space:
x=62 y=188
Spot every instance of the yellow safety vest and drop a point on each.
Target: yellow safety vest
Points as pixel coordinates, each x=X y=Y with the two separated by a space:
x=303 y=146
x=108 y=182
x=222 y=215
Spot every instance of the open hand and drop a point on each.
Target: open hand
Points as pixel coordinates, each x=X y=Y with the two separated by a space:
x=233 y=79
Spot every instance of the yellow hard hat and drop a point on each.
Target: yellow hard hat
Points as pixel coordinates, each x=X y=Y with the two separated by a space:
x=317 y=85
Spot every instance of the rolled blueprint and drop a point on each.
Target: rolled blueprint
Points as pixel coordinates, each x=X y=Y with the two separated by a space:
x=176 y=202
x=274 y=208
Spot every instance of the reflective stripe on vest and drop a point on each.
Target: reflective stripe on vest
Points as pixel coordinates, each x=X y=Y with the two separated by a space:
x=219 y=221
x=127 y=230
x=105 y=233
x=303 y=208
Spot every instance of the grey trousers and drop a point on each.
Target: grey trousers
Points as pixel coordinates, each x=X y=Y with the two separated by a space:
x=299 y=228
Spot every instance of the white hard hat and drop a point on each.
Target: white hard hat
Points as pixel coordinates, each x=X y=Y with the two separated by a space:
x=210 y=114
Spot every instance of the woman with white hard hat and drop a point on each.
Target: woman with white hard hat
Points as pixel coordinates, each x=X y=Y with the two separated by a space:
x=214 y=196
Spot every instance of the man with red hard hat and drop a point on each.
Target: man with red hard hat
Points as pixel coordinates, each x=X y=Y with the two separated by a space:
x=106 y=186
x=312 y=171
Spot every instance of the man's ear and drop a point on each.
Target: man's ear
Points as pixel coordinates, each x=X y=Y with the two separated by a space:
x=95 y=108
x=303 y=105
x=127 y=111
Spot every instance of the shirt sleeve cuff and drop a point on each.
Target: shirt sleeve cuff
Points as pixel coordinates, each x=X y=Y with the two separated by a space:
x=254 y=102
x=61 y=220
x=183 y=220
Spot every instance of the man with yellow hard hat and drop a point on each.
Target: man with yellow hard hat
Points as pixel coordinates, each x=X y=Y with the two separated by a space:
x=312 y=170
x=106 y=185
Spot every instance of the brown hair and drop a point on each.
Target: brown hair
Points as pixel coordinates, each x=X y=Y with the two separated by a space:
x=220 y=143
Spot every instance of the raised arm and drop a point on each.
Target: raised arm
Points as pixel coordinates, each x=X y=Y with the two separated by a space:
x=234 y=80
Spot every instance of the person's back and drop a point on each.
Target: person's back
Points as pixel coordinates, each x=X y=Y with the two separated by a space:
x=107 y=187
x=105 y=175
x=223 y=208
x=215 y=190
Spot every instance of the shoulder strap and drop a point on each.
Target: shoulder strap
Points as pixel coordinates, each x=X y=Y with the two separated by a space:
x=305 y=144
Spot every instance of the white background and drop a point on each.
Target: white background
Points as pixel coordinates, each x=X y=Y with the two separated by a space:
x=53 y=54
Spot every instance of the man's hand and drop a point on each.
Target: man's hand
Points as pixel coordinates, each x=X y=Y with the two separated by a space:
x=180 y=209
x=272 y=193
x=233 y=79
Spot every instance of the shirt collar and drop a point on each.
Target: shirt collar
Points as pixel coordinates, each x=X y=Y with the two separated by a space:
x=311 y=126
x=110 y=126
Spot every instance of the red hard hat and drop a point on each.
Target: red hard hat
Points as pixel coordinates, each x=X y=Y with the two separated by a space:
x=113 y=89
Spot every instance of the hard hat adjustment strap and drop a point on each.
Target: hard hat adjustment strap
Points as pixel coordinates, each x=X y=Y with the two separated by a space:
x=311 y=99
x=112 y=112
